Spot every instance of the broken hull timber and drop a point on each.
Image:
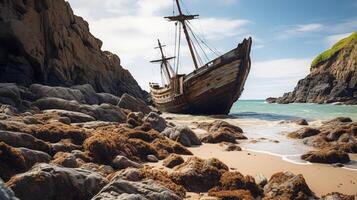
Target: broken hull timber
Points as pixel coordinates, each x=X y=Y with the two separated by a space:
x=209 y=90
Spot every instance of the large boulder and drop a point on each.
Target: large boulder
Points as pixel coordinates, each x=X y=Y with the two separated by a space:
x=304 y=132
x=17 y=139
x=10 y=94
x=198 y=175
x=45 y=181
x=326 y=156
x=131 y=103
x=43 y=91
x=88 y=92
x=108 y=98
x=120 y=189
x=183 y=135
x=44 y=42
x=156 y=121
x=286 y=185
x=221 y=131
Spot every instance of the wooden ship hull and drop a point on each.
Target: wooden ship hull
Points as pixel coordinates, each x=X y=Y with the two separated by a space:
x=209 y=90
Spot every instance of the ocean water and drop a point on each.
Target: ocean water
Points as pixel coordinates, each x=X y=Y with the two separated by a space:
x=259 y=109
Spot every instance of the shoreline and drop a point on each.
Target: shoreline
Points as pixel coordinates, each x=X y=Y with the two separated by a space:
x=338 y=179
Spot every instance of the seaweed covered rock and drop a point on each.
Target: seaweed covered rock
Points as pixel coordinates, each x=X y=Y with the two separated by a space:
x=338 y=196
x=45 y=181
x=304 y=132
x=198 y=175
x=122 y=162
x=286 y=185
x=235 y=181
x=105 y=144
x=232 y=194
x=173 y=160
x=183 y=135
x=17 y=139
x=326 y=156
x=221 y=131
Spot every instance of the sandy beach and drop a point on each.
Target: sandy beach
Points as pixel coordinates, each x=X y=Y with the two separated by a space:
x=321 y=178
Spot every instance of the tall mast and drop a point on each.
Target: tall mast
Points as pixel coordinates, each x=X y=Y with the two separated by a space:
x=182 y=19
x=164 y=61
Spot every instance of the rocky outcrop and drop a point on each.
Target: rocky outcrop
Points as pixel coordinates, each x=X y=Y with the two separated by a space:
x=333 y=77
x=44 y=42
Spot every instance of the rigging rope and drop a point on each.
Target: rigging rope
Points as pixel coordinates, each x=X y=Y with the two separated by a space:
x=198 y=43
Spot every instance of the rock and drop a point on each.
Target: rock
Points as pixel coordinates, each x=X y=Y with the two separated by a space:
x=103 y=112
x=89 y=94
x=131 y=103
x=156 y=121
x=173 y=160
x=232 y=147
x=108 y=99
x=271 y=100
x=6 y=193
x=301 y=122
x=10 y=94
x=70 y=56
x=122 y=162
x=135 y=119
x=32 y=156
x=75 y=117
x=231 y=194
x=30 y=120
x=304 y=132
x=338 y=196
x=57 y=182
x=129 y=190
x=261 y=180
x=183 y=135
x=8 y=110
x=198 y=175
x=65 y=159
x=43 y=91
x=104 y=145
x=285 y=185
x=218 y=137
x=17 y=139
x=332 y=77
x=326 y=156
x=339 y=120
x=64 y=120
x=152 y=158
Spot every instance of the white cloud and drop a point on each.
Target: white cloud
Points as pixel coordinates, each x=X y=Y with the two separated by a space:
x=289 y=67
x=304 y=28
x=333 y=39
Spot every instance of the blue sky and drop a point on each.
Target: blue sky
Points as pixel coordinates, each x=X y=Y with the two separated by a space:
x=287 y=34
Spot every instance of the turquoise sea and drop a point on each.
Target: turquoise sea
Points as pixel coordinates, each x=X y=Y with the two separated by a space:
x=259 y=109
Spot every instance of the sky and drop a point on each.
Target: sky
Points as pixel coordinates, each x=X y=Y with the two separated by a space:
x=287 y=34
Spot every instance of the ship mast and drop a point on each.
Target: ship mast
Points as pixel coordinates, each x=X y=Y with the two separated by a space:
x=164 y=62
x=182 y=18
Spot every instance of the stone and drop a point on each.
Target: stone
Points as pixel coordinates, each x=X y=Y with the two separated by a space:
x=152 y=158
x=57 y=182
x=30 y=120
x=17 y=139
x=65 y=159
x=70 y=56
x=88 y=92
x=286 y=185
x=131 y=103
x=232 y=147
x=326 y=156
x=173 y=160
x=198 y=175
x=156 y=121
x=10 y=94
x=261 y=180
x=183 y=135
x=122 y=162
x=301 y=122
x=43 y=91
x=75 y=117
x=304 y=132
x=128 y=190
x=338 y=196
x=108 y=99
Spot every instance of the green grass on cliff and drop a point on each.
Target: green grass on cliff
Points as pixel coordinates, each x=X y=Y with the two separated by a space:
x=335 y=48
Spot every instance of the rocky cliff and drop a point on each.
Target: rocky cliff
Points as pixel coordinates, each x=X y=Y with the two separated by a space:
x=42 y=41
x=333 y=77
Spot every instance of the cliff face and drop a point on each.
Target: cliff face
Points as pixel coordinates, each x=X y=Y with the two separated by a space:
x=333 y=77
x=42 y=41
